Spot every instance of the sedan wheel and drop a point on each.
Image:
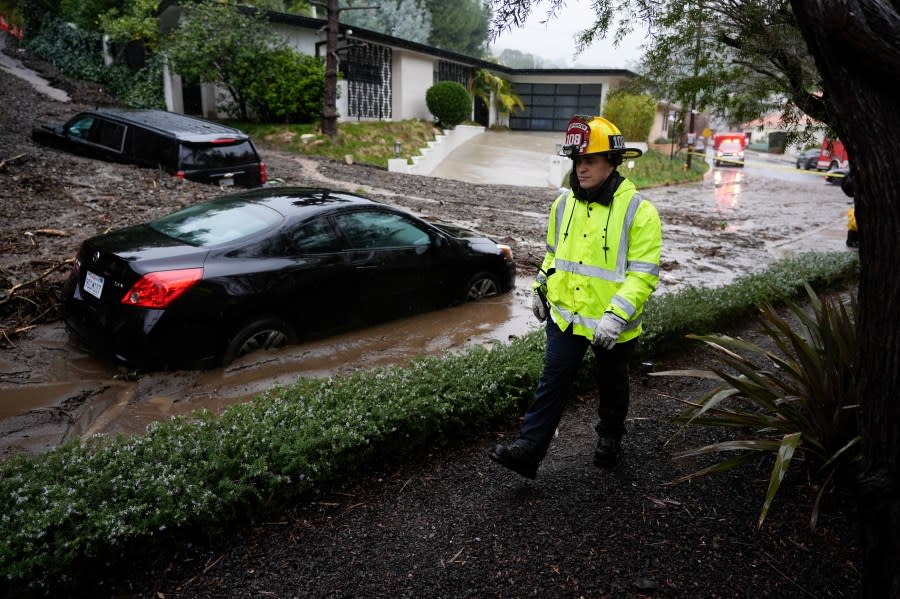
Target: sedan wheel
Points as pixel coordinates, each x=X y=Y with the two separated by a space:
x=481 y=286
x=256 y=335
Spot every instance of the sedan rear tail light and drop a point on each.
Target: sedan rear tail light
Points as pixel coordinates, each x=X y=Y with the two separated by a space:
x=159 y=289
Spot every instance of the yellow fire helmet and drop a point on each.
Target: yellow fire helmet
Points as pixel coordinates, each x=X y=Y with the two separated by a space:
x=595 y=135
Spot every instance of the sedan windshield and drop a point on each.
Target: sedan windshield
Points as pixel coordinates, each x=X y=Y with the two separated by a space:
x=214 y=223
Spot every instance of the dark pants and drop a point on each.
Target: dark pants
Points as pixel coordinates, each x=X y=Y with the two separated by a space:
x=564 y=354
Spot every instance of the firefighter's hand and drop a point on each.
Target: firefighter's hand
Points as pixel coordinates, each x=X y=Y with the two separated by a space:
x=608 y=330
x=537 y=306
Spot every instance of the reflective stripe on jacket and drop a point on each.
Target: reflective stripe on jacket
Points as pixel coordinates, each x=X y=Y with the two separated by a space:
x=601 y=259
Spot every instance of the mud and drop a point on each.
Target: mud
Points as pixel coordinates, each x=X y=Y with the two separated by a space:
x=51 y=390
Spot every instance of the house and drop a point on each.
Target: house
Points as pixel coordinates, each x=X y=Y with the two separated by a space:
x=770 y=133
x=386 y=78
x=668 y=125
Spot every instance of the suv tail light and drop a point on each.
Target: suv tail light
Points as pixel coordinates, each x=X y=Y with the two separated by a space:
x=179 y=175
x=159 y=289
x=263 y=173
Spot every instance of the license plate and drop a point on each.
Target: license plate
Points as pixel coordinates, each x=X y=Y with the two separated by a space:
x=226 y=181
x=93 y=284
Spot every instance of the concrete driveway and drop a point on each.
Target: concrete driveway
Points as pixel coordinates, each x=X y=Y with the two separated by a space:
x=507 y=158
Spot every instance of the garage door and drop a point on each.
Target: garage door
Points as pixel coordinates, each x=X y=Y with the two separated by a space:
x=549 y=106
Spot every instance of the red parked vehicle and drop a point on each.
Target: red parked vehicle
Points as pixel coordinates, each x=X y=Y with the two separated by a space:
x=832 y=155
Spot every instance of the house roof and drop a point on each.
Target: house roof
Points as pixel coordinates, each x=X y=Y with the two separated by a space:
x=396 y=42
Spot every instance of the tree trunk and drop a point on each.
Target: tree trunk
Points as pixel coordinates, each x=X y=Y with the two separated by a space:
x=329 y=106
x=855 y=44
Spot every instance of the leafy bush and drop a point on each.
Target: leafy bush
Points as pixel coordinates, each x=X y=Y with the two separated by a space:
x=632 y=113
x=143 y=89
x=800 y=399
x=486 y=83
x=107 y=501
x=218 y=43
x=449 y=102
x=78 y=53
x=289 y=87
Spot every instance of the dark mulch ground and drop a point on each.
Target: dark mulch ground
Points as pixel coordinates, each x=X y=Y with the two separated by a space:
x=453 y=524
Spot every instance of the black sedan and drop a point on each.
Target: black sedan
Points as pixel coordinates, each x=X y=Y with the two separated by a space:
x=265 y=268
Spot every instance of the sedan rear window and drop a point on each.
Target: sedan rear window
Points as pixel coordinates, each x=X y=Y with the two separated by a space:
x=214 y=223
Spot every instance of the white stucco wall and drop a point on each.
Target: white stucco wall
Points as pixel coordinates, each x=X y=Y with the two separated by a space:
x=412 y=75
x=301 y=40
x=172 y=90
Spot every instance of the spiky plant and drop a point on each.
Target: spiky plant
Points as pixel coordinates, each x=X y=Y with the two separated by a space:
x=797 y=401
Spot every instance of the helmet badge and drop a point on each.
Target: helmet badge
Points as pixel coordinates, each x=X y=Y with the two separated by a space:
x=577 y=137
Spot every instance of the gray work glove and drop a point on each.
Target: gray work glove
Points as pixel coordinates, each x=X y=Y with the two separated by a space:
x=538 y=307
x=608 y=330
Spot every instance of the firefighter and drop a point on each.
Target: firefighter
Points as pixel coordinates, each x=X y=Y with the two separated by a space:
x=602 y=263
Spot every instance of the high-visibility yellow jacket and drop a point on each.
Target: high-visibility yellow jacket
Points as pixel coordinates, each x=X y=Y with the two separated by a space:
x=601 y=258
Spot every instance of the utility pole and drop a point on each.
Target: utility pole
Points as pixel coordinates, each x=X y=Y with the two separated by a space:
x=692 y=137
x=328 y=120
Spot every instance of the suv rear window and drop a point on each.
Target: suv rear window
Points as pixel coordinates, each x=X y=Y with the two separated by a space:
x=194 y=156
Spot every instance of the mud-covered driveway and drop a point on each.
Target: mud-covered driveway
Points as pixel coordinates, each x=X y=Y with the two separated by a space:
x=51 y=390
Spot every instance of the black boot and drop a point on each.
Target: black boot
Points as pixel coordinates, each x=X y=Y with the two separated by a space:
x=518 y=457
x=609 y=450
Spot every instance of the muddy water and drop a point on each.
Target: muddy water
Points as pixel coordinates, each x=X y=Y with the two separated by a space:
x=76 y=394
x=736 y=221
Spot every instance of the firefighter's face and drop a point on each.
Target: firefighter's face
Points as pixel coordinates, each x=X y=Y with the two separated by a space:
x=592 y=170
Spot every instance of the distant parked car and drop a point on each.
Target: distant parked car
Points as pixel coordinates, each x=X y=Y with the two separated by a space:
x=184 y=146
x=263 y=268
x=807 y=159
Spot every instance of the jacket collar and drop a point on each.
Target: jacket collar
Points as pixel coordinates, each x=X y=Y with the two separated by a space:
x=603 y=194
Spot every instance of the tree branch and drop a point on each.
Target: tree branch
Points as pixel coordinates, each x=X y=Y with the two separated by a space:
x=12 y=291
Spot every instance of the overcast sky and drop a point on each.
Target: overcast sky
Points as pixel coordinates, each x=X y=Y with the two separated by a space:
x=555 y=40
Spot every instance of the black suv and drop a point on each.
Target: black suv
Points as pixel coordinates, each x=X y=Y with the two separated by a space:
x=185 y=146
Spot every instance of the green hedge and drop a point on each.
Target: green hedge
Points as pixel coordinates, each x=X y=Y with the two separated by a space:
x=104 y=501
